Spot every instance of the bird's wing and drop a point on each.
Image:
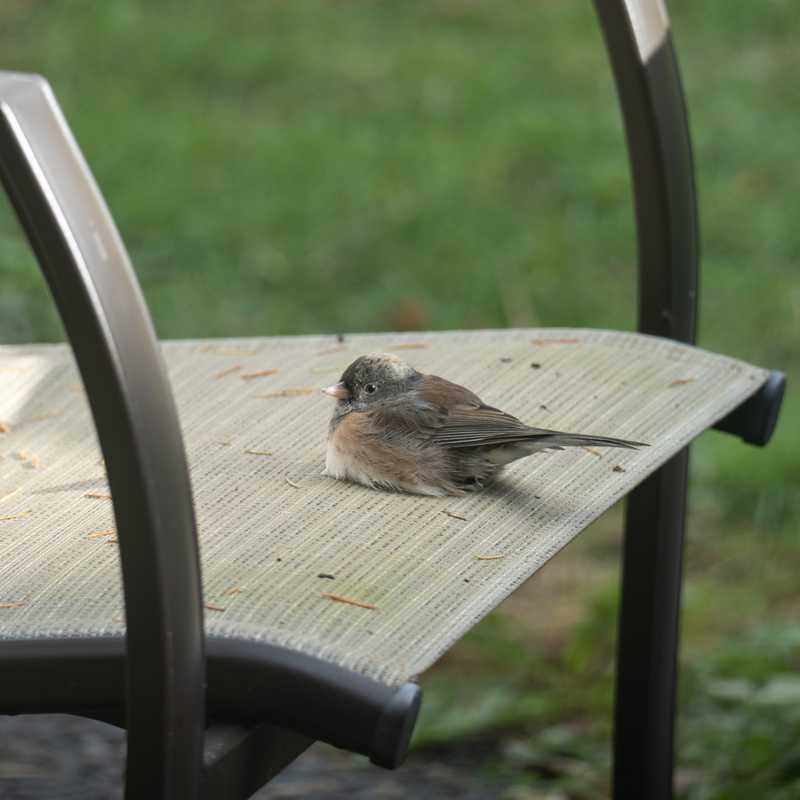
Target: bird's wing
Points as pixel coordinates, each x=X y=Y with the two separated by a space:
x=451 y=416
x=476 y=426
x=465 y=420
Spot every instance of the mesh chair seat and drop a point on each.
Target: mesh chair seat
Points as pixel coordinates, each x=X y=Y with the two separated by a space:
x=375 y=582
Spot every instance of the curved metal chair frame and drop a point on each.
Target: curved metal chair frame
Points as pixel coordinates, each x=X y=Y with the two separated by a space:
x=646 y=72
x=91 y=279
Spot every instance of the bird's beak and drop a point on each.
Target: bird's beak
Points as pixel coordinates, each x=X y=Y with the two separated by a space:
x=338 y=390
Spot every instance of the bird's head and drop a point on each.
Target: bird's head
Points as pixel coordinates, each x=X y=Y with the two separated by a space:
x=373 y=378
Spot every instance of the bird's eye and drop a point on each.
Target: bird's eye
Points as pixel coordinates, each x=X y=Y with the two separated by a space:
x=370 y=388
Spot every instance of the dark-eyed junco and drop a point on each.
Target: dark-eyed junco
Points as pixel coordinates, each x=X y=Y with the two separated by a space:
x=395 y=428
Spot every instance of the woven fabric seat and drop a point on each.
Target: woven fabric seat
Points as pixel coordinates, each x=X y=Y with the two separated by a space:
x=280 y=541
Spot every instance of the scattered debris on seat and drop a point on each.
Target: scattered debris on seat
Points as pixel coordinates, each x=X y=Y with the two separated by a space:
x=330 y=351
x=41 y=417
x=535 y=365
x=100 y=534
x=14 y=604
x=29 y=459
x=337 y=598
x=226 y=372
x=455 y=516
x=261 y=373
x=11 y=517
x=258 y=452
x=506 y=360
x=233 y=590
x=292 y=483
x=409 y=346
x=592 y=451
x=490 y=557
x=681 y=381
x=226 y=350
x=10 y=494
x=4 y=427
x=618 y=468
x=285 y=393
x=213 y=607
x=326 y=575
x=97 y=496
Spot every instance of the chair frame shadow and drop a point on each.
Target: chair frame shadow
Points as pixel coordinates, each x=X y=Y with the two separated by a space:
x=213 y=718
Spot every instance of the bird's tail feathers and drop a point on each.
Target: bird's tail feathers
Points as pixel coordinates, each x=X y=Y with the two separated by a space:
x=557 y=439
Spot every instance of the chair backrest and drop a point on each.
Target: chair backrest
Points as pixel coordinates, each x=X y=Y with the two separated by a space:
x=90 y=276
x=639 y=43
x=640 y=48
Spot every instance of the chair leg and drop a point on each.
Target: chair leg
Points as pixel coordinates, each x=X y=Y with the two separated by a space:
x=648 y=634
x=240 y=759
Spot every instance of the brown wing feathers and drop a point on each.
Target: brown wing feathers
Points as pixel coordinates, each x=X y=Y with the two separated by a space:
x=468 y=422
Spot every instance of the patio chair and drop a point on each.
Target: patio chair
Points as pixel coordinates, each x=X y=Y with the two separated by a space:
x=320 y=602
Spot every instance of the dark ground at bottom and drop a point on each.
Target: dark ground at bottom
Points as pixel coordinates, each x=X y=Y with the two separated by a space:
x=56 y=757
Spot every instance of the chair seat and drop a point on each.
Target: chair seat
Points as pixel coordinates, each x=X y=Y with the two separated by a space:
x=378 y=583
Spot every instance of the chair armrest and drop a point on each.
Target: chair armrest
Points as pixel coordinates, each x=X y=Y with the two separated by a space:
x=90 y=277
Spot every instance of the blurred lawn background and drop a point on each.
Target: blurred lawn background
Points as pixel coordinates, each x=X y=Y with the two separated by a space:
x=318 y=166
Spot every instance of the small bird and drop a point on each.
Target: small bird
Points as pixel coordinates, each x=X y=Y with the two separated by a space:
x=398 y=429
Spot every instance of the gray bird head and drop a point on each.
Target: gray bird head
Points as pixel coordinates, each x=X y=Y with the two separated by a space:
x=372 y=378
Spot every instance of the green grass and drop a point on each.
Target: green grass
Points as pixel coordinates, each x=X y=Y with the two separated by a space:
x=317 y=166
